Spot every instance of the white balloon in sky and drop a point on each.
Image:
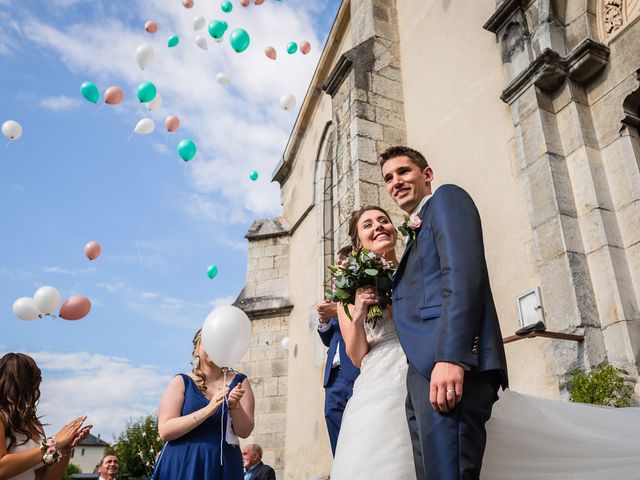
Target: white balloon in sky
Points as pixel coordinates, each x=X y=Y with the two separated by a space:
x=286 y=341
x=145 y=126
x=25 y=309
x=47 y=299
x=222 y=78
x=202 y=42
x=154 y=104
x=145 y=56
x=287 y=102
x=199 y=23
x=12 y=130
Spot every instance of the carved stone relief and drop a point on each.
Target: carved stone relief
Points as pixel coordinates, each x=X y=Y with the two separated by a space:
x=614 y=16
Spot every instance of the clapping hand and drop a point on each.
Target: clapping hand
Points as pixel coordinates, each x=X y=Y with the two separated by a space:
x=235 y=396
x=66 y=437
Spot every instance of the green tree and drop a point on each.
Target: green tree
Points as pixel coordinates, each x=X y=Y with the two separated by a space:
x=71 y=469
x=602 y=386
x=137 y=447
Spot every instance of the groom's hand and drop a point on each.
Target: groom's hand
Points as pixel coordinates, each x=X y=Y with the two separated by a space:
x=446 y=386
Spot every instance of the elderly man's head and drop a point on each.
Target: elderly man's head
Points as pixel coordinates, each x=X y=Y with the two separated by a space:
x=109 y=467
x=251 y=455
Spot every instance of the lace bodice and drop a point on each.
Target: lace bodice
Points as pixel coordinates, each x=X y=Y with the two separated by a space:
x=384 y=331
x=385 y=358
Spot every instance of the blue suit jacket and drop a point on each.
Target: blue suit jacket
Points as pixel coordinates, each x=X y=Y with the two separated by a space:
x=442 y=301
x=332 y=338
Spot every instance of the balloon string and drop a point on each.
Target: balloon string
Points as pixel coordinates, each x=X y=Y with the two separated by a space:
x=134 y=119
x=99 y=108
x=8 y=143
x=224 y=402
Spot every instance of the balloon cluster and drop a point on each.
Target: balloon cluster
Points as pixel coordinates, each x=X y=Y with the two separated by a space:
x=46 y=300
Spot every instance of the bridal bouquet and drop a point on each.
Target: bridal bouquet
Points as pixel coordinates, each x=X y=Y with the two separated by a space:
x=362 y=268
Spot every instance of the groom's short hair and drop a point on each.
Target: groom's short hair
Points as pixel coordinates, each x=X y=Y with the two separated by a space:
x=401 y=151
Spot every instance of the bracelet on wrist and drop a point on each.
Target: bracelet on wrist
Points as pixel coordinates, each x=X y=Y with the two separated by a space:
x=50 y=452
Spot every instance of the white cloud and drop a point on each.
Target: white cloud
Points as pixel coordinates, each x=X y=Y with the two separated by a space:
x=109 y=390
x=239 y=127
x=61 y=102
x=64 y=271
x=221 y=301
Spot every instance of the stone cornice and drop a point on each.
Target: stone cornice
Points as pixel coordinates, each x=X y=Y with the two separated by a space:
x=550 y=69
x=261 y=307
x=502 y=14
x=267 y=228
x=337 y=75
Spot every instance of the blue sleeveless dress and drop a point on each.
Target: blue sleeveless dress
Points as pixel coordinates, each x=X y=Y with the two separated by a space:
x=196 y=455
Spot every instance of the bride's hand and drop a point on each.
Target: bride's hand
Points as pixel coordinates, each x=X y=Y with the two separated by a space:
x=365 y=297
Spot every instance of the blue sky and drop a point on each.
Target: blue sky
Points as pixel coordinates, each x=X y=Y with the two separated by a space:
x=73 y=177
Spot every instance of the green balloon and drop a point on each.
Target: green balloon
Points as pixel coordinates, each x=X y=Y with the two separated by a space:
x=212 y=271
x=239 y=40
x=292 y=47
x=90 y=92
x=186 y=149
x=217 y=28
x=146 y=92
x=173 y=41
x=226 y=6
x=254 y=176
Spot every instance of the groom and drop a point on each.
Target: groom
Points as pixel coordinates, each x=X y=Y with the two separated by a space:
x=446 y=321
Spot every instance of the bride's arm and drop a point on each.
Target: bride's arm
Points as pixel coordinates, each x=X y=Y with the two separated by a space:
x=353 y=333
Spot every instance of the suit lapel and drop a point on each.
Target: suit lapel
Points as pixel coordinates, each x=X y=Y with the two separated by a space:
x=407 y=249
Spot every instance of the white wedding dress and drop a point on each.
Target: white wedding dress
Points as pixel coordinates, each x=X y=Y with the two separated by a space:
x=528 y=438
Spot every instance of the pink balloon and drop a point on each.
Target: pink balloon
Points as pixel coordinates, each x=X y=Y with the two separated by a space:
x=258 y=2
x=305 y=47
x=75 y=308
x=244 y=3
x=172 y=123
x=92 y=250
x=270 y=52
x=113 y=95
x=187 y=3
x=151 y=26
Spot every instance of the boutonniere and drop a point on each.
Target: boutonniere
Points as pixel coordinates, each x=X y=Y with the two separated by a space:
x=409 y=228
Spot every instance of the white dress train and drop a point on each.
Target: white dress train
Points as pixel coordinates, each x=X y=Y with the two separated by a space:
x=528 y=438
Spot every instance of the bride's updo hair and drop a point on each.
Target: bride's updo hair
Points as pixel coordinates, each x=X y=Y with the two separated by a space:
x=201 y=378
x=353 y=222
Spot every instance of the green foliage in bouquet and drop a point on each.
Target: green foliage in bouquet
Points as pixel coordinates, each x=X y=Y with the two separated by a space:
x=602 y=386
x=362 y=268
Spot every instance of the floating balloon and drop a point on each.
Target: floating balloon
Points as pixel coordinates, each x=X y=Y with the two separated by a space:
x=258 y=2
x=47 y=299
x=145 y=56
x=172 y=123
x=212 y=271
x=270 y=52
x=239 y=40
x=75 y=308
x=90 y=91
x=292 y=47
x=113 y=95
x=254 y=176
x=199 y=23
x=146 y=92
x=25 y=309
x=286 y=341
x=12 y=130
x=287 y=102
x=245 y=3
x=217 y=28
x=154 y=104
x=187 y=3
x=202 y=42
x=151 y=26
x=226 y=6
x=92 y=250
x=222 y=78
x=186 y=150
x=173 y=41
x=305 y=47
x=226 y=334
x=145 y=126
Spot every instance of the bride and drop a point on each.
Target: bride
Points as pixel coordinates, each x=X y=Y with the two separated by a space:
x=528 y=438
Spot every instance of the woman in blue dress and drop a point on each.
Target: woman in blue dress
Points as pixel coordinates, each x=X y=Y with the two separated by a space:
x=201 y=414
